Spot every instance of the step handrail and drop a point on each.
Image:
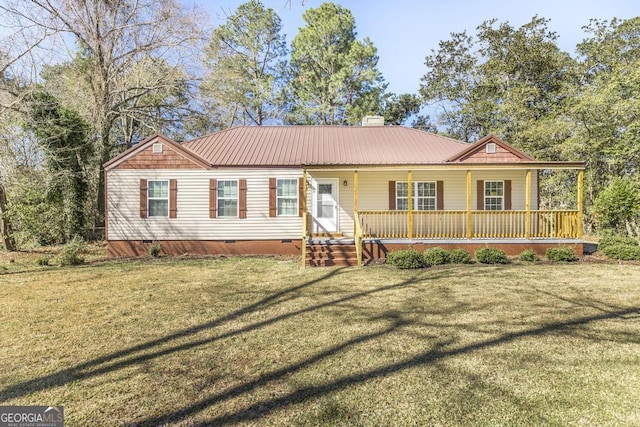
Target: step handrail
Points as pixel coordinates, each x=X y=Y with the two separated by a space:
x=358 y=237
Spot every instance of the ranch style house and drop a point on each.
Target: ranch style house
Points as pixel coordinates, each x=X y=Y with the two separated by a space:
x=336 y=195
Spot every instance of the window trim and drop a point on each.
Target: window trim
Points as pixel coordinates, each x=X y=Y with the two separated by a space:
x=501 y=197
x=236 y=198
x=295 y=180
x=149 y=198
x=415 y=195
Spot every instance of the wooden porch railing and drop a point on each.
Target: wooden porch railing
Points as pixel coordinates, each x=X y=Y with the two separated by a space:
x=455 y=224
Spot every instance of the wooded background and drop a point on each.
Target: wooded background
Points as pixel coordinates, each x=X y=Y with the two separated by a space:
x=83 y=80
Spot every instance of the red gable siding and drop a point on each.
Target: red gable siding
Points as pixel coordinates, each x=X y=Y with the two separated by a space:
x=168 y=159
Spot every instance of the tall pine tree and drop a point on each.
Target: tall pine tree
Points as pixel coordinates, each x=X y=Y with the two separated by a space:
x=334 y=78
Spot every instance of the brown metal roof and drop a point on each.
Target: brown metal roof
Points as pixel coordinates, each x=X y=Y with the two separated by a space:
x=323 y=145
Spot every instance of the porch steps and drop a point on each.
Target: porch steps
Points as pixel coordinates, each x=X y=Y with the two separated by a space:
x=327 y=253
x=335 y=235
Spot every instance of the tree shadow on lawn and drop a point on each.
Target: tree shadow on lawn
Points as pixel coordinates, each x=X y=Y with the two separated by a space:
x=436 y=353
x=111 y=362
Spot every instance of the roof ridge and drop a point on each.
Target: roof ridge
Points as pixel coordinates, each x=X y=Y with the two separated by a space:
x=387 y=127
x=437 y=135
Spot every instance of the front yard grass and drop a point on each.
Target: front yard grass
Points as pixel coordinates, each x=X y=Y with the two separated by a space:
x=260 y=341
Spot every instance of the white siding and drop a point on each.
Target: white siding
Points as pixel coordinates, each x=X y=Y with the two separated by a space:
x=193 y=222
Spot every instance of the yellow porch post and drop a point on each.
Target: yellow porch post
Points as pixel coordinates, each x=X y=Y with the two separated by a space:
x=469 y=232
x=355 y=198
x=305 y=231
x=580 y=207
x=527 y=219
x=357 y=232
x=410 y=203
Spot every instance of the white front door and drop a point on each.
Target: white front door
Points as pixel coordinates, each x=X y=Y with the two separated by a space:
x=325 y=205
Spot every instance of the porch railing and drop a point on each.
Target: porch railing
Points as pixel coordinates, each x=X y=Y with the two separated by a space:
x=458 y=225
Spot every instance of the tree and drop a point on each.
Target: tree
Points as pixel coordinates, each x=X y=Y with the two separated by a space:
x=17 y=154
x=517 y=83
x=5 y=228
x=63 y=136
x=424 y=123
x=246 y=61
x=37 y=216
x=397 y=108
x=605 y=109
x=503 y=81
x=334 y=79
x=155 y=97
x=451 y=84
x=113 y=38
x=618 y=206
x=512 y=82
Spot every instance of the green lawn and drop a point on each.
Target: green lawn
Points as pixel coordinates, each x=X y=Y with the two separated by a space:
x=260 y=341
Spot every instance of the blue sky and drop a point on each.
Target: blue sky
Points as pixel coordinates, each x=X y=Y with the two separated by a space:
x=405 y=31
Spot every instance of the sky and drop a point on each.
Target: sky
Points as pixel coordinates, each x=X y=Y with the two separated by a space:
x=405 y=31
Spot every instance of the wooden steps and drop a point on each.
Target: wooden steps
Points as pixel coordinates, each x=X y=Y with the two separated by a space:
x=331 y=253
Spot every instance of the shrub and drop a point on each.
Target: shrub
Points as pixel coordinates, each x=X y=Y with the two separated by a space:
x=561 y=253
x=622 y=252
x=405 y=259
x=459 y=256
x=43 y=261
x=69 y=253
x=154 y=249
x=491 y=256
x=436 y=256
x=617 y=204
x=528 y=255
x=611 y=239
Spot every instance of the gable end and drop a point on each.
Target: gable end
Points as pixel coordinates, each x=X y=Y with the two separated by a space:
x=168 y=159
x=491 y=149
x=157 y=152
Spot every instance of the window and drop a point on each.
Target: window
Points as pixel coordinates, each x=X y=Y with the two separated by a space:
x=491 y=148
x=494 y=195
x=157 y=148
x=158 y=198
x=287 y=197
x=424 y=196
x=325 y=207
x=227 y=198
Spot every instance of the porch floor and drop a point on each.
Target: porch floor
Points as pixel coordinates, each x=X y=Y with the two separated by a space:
x=350 y=241
x=475 y=241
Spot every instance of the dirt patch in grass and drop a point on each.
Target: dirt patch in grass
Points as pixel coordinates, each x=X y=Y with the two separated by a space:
x=259 y=341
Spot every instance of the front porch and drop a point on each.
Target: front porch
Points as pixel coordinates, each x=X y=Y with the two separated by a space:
x=538 y=224
x=514 y=222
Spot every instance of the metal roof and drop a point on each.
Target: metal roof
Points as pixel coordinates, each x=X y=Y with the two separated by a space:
x=323 y=145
